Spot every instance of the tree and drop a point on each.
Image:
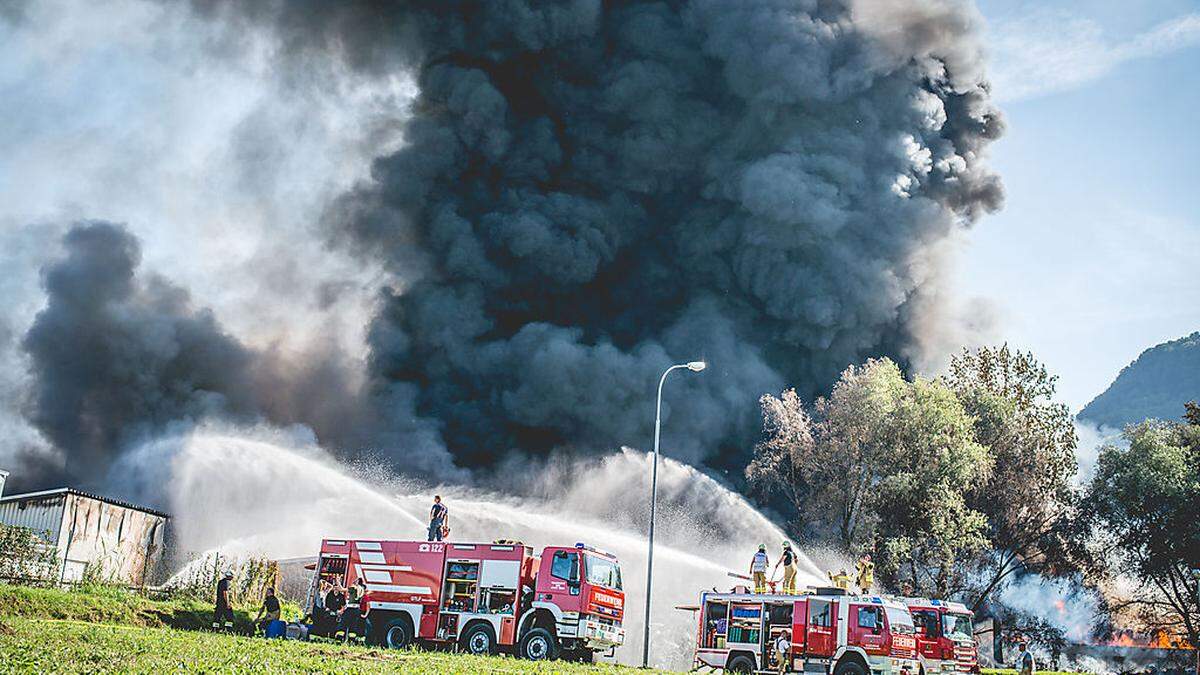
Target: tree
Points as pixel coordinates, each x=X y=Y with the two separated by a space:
x=1029 y=498
x=884 y=465
x=1144 y=508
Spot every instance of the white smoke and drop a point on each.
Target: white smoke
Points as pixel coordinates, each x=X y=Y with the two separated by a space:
x=1062 y=602
x=275 y=493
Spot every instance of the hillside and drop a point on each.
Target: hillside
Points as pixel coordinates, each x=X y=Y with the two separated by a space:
x=1156 y=384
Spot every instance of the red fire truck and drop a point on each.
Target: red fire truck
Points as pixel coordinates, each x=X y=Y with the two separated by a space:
x=945 y=638
x=486 y=598
x=830 y=632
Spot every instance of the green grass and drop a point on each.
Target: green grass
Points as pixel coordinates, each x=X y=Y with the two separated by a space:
x=109 y=605
x=49 y=646
x=106 y=630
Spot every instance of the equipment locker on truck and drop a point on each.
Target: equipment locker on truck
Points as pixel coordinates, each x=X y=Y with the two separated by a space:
x=567 y=602
x=828 y=632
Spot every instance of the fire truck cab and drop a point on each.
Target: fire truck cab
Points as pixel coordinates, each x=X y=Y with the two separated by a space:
x=830 y=632
x=485 y=598
x=945 y=637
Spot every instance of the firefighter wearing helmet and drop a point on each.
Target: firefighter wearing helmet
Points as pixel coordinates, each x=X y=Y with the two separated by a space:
x=788 y=560
x=758 y=569
x=866 y=574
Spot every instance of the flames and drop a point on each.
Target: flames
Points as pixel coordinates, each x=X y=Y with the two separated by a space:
x=1160 y=639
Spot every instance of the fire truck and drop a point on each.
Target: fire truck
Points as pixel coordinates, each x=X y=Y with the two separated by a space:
x=945 y=638
x=829 y=632
x=484 y=598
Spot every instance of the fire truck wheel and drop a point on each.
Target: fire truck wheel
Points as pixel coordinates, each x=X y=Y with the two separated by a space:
x=539 y=645
x=849 y=668
x=740 y=663
x=397 y=634
x=479 y=639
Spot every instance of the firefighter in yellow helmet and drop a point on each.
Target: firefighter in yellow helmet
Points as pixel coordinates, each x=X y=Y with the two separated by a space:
x=866 y=574
x=758 y=569
x=788 y=560
x=840 y=580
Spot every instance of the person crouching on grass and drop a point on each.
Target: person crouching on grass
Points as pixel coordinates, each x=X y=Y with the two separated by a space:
x=269 y=611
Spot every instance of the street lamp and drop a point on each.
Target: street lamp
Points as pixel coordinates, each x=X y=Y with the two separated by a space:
x=695 y=367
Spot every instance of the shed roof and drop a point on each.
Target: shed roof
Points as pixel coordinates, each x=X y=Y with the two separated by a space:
x=80 y=493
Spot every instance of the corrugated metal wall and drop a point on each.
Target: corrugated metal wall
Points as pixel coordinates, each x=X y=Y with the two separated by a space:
x=125 y=543
x=40 y=514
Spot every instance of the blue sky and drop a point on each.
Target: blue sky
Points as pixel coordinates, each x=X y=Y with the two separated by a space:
x=1096 y=255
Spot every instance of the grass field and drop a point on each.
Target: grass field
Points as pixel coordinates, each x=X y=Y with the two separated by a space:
x=105 y=630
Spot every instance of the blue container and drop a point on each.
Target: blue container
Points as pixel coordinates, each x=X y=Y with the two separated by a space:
x=276 y=629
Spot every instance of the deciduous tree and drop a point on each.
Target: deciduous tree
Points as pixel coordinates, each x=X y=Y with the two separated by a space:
x=1029 y=498
x=1144 y=503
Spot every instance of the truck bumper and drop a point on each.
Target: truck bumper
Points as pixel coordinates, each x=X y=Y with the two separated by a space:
x=601 y=636
x=888 y=665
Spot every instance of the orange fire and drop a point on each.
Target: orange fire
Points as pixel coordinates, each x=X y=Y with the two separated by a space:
x=1164 y=640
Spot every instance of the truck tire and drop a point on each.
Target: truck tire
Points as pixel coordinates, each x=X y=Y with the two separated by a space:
x=740 y=663
x=849 y=668
x=479 y=638
x=538 y=645
x=397 y=634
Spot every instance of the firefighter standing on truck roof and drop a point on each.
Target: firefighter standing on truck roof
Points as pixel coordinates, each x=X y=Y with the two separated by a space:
x=758 y=569
x=439 y=519
x=866 y=574
x=841 y=580
x=788 y=560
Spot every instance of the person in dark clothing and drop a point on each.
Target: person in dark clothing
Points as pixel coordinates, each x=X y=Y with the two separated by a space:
x=223 y=612
x=335 y=604
x=788 y=560
x=269 y=611
x=439 y=520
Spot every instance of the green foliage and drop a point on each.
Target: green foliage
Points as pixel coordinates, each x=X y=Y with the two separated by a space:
x=26 y=556
x=251 y=578
x=883 y=465
x=1144 y=504
x=1154 y=386
x=1029 y=498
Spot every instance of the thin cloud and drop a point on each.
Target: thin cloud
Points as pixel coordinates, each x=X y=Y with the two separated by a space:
x=1047 y=52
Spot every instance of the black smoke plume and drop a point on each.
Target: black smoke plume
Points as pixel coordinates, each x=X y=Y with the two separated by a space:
x=117 y=356
x=588 y=192
x=591 y=191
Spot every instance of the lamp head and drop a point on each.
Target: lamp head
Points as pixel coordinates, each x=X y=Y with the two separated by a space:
x=697 y=366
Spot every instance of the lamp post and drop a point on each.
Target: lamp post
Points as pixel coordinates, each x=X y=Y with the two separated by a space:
x=695 y=367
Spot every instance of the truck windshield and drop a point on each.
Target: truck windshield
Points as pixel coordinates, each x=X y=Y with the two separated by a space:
x=603 y=572
x=899 y=620
x=957 y=626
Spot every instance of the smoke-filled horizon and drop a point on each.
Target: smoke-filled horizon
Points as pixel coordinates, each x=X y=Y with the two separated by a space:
x=585 y=193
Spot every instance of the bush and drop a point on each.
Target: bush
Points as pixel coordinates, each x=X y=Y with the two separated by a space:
x=26 y=556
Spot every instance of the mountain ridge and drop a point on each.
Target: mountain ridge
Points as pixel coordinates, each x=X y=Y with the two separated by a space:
x=1154 y=385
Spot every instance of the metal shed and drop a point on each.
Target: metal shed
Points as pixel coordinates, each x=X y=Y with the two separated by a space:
x=115 y=540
